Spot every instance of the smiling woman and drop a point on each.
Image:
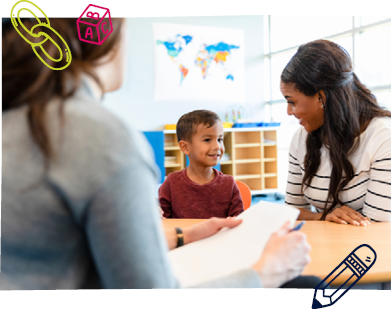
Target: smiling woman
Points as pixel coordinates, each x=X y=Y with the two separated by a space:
x=309 y=110
x=340 y=161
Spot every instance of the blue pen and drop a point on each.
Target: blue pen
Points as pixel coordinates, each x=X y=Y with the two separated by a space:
x=298 y=227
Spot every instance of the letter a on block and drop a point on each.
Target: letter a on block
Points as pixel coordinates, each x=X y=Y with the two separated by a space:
x=89 y=32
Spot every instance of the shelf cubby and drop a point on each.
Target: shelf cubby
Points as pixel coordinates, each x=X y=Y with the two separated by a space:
x=172 y=150
x=270 y=152
x=269 y=137
x=226 y=169
x=248 y=169
x=248 y=153
x=270 y=167
x=250 y=137
x=270 y=182
x=253 y=183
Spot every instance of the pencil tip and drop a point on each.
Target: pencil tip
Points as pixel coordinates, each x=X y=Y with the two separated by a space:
x=316 y=304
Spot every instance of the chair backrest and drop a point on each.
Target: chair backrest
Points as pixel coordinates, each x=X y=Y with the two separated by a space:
x=245 y=192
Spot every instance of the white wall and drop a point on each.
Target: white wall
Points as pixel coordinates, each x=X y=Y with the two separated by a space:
x=135 y=103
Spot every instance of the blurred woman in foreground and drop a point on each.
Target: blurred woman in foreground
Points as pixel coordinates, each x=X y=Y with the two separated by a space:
x=78 y=185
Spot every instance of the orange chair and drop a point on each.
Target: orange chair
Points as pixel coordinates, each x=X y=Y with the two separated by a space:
x=245 y=192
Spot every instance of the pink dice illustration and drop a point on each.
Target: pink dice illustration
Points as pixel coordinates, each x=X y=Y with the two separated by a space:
x=94 y=25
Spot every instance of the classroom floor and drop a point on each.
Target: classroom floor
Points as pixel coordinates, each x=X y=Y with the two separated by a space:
x=273 y=198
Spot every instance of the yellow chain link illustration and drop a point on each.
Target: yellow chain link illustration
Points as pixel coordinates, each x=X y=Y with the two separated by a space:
x=16 y=22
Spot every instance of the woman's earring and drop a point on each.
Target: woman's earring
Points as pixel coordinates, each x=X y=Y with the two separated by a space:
x=320 y=99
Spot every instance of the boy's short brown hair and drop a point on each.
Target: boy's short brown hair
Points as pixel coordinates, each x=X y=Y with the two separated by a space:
x=187 y=124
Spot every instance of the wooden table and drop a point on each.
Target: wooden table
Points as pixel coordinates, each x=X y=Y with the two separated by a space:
x=332 y=242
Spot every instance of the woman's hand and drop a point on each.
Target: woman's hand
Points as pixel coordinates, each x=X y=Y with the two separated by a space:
x=200 y=230
x=162 y=213
x=342 y=215
x=346 y=215
x=208 y=228
x=284 y=257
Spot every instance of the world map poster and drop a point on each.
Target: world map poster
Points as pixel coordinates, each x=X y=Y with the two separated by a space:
x=198 y=63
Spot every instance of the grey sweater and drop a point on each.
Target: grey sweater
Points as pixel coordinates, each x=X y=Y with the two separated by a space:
x=91 y=219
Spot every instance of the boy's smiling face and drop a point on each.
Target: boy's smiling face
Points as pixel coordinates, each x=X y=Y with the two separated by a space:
x=206 y=146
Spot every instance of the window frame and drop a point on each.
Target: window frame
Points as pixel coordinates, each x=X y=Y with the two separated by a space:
x=353 y=32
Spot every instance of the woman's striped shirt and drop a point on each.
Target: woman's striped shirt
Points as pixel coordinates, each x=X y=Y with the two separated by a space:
x=369 y=192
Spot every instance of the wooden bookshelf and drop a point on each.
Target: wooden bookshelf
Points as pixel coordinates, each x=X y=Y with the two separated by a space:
x=174 y=159
x=252 y=151
x=253 y=156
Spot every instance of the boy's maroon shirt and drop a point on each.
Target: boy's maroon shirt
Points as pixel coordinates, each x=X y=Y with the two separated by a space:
x=180 y=197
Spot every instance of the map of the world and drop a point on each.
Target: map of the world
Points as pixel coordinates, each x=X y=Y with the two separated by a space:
x=198 y=63
x=208 y=55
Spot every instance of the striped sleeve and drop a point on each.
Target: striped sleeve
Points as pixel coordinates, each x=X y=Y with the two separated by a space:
x=293 y=194
x=377 y=204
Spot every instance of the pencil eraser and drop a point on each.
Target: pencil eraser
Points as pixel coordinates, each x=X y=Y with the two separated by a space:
x=366 y=255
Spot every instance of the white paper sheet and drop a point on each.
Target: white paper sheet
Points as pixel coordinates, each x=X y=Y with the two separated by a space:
x=230 y=250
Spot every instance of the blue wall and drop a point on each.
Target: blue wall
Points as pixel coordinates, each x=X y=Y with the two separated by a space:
x=156 y=139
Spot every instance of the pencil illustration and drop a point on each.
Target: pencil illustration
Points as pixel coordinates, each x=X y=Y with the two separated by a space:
x=356 y=264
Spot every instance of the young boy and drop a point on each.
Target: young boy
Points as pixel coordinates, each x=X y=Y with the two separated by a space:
x=200 y=191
